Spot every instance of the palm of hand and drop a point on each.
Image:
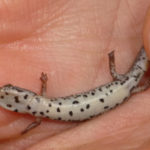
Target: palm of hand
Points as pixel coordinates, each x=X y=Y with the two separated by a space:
x=70 y=40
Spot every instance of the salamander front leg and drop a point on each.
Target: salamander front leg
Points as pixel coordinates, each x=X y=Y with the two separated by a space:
x=38 y=120
x=112 y=67
x=44 y=80
x=31 y=126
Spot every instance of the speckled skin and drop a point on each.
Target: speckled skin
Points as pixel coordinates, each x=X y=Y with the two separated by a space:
x=81 y=106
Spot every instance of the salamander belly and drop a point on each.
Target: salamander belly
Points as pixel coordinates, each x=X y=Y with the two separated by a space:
x=80 y=108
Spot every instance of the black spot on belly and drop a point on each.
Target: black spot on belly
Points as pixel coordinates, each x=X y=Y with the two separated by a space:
x=58 y=109
x=127 y=78
x=28 y=107
x=42 y=113
x=116 y=82
x=47 y=111
x=108 y=86
x=81 y=109
x=93 y=93
x=70 y=113
x=111 y=91
x=100 y=89
x=85 y=95
x=9 y=105
x=25 y=96
x=101 y=100
x=2 y=97
x=139 y=67
x=16 y=99
x=34 y=112
x=50 y=105
x=59 y=118
x=16 y=110
x=87 y=106
x=6 y=93
x=106 y=107
x=122 y=83
x=75 y=102
x=60 y=103
x=136 y=76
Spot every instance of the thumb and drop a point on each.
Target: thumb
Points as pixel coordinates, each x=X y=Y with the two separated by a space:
x=146 y=33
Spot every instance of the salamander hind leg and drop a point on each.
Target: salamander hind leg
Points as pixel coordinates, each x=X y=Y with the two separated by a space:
x=31 y=126
x=141 y=88
x=145 y=86
x=112 y=67
x=38 y=120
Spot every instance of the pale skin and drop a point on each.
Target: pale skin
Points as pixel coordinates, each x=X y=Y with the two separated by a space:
x=70 y=41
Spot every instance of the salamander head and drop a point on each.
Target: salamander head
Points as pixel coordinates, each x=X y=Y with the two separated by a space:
x=14 y=98
x=15 y=90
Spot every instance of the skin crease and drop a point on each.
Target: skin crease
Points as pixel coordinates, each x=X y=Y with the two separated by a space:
x=70 y=40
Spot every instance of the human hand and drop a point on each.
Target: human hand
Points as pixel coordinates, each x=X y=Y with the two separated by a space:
x=70 y=41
